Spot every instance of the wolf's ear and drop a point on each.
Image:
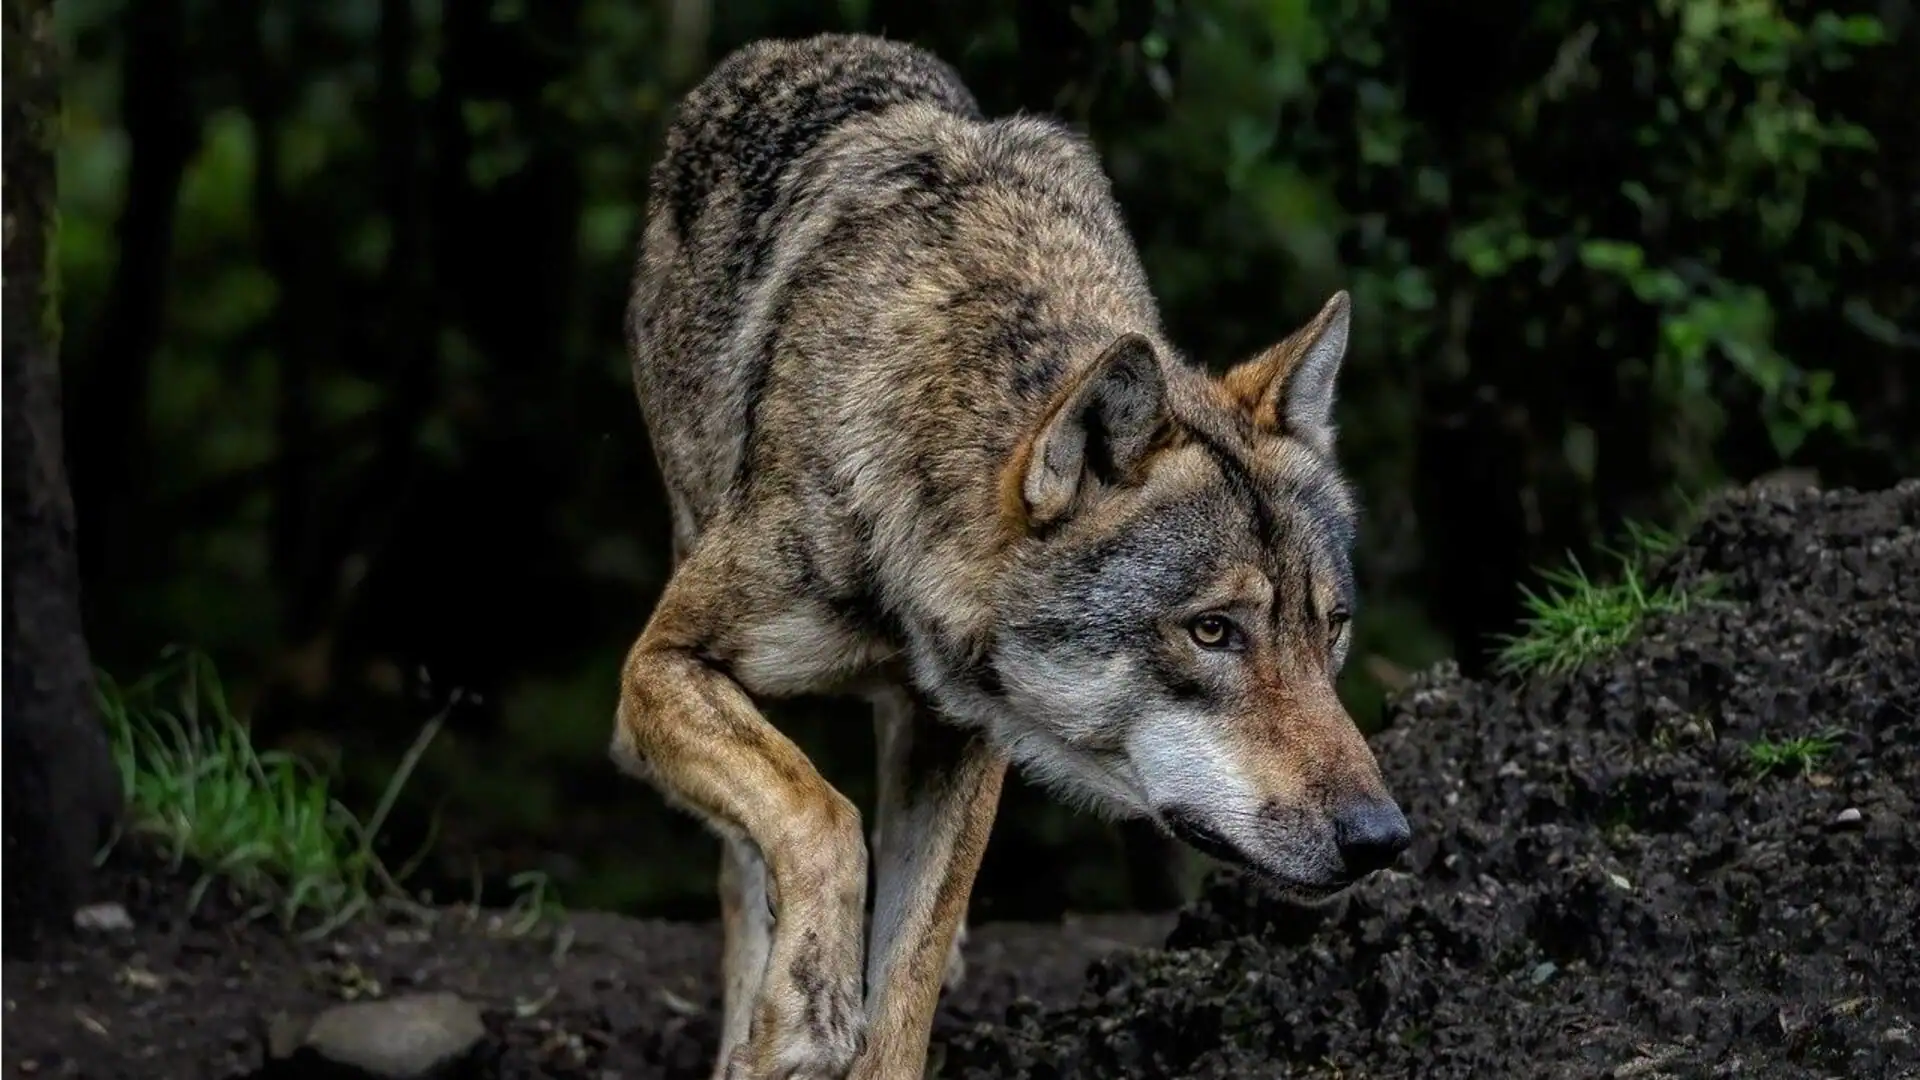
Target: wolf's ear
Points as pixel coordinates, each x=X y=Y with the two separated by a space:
x=1100 y=429
x=1289 y=387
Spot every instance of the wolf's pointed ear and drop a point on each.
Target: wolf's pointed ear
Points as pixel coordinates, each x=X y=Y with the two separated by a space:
x=1102 y=427
x=1289 y=387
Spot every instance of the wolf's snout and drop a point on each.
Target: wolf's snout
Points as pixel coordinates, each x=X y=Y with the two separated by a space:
x=1371 y=832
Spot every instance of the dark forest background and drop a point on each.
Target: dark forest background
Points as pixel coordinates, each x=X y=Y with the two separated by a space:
x=347 y=407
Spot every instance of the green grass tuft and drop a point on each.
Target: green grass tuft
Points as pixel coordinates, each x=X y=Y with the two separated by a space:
x=1577 y=618
x=265 y=823
x=1796 y=755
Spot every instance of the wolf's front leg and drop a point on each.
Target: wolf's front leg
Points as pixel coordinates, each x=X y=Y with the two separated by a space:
x=690 y=730
x=939 y=790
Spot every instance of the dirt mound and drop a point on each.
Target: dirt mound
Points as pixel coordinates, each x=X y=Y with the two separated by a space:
x=1604 y=883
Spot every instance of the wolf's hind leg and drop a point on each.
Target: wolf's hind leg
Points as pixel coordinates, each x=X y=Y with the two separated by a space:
x=686 y=726
x=956 y=972
x=746 y=919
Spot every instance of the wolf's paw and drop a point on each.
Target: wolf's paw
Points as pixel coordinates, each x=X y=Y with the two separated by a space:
x=801 y=1056
x=804 y=1030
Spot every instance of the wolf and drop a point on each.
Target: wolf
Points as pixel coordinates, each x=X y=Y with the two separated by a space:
x=926 y=442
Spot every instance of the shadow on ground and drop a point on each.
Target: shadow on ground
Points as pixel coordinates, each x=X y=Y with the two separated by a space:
x=1606 y=883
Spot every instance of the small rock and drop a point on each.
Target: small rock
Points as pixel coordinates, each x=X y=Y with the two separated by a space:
x=108 y=918
x=139 y=978
x=413 y=1037
x=1849 y=818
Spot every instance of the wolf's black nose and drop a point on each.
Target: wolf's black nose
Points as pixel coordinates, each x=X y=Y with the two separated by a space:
x=1371 y=833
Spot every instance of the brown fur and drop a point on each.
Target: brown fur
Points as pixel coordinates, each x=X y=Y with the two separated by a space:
x=925 y=441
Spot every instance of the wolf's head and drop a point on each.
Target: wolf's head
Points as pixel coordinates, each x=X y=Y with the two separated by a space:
x=1182 y=601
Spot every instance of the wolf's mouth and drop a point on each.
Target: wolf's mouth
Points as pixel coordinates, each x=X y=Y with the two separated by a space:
x=1202 y=838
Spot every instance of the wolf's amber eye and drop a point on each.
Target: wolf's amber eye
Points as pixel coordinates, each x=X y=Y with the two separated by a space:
x=1213 y=631
x=1337 y=621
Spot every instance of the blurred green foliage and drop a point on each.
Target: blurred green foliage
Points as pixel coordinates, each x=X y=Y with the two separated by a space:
x=347 y=395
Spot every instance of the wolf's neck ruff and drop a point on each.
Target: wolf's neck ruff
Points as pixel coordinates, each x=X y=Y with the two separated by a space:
x=923 y=437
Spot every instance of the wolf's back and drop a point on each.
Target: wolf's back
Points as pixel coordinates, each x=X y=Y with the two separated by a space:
x=720 y=211
x=768 y=103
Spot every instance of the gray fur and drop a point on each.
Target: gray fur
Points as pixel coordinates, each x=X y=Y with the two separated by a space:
x=922 y=433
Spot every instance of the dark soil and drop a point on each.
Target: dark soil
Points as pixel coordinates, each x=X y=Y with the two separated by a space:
x=599 y=996
x=1601 y=887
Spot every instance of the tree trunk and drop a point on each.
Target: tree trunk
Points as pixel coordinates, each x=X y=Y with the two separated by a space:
x=61 y=792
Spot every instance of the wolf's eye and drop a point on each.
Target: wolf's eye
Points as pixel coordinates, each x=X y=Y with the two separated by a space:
x=1211 y=631
x=1337 y=621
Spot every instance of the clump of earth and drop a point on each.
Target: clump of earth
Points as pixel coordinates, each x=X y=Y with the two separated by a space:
x=1694 y=857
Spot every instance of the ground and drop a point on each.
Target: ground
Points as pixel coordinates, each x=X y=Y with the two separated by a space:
x=1695 y=856
x=604 y=997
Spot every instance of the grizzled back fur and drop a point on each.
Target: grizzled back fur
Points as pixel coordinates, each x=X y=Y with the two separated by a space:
x=812 y=196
